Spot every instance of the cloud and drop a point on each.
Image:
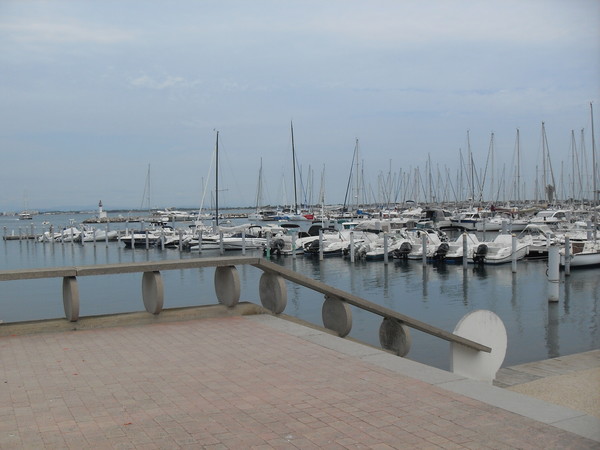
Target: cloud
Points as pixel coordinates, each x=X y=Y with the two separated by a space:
x=64 y=32
x=515 y=22
x=167 y=82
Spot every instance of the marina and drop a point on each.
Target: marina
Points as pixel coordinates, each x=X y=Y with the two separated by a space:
x=435 y=292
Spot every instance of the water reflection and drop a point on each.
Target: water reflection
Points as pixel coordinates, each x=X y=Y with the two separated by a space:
x=552 y=341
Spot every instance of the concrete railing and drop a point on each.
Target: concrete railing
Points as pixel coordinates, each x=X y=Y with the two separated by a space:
x=394 y=332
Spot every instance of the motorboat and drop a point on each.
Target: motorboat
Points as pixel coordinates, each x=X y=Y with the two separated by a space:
x=454 y=251
x=374 y=250
x=499 y=251
x=551 y=217
x=539 y=237
x=581 y=254
x=466 y=220
x=95 y=235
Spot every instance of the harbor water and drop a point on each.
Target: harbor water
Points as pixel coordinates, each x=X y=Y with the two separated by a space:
x=439 y=294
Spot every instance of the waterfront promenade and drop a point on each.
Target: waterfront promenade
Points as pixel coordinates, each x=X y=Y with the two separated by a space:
x=223 y=380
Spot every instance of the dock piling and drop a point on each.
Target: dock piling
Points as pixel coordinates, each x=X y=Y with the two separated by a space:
x=553 y=273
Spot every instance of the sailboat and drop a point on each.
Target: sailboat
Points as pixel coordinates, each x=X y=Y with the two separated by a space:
x=261 y=214
x=294 y=214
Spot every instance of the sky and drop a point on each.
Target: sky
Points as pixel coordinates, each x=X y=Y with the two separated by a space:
x=121 y=101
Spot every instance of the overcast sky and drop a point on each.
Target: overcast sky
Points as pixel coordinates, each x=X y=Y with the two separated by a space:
x=95 y=92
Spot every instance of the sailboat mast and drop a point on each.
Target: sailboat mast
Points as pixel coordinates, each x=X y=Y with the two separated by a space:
x=594 y=168
x=518 y=167
x=260 y=187
x=472 y=168
x=217 y=180
x=294 y=167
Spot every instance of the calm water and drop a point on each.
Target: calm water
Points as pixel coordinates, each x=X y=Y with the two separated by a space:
x=439 y=295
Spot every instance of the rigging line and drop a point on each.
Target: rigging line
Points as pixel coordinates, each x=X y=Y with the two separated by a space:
x=212 y=159
x=350 y=176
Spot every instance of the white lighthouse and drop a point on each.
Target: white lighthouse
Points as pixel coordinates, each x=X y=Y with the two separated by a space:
x=101 y=213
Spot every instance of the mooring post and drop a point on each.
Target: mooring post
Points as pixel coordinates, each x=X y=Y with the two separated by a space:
x=268 y=244
x=385 y=248
x=424 y=247
x=465 y=251
x=180 y=239
x=567 y=256
x=243 y=242
x=352 y=246
x=321 y=244
x=221 y=248
x=553 y=273
x=514 y=254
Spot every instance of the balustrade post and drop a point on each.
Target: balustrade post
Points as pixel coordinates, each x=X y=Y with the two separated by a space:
x=395 y=336
x=337 y=315
x=71 y=298
x=273 y=292
x=227 y=285
x=153 y=292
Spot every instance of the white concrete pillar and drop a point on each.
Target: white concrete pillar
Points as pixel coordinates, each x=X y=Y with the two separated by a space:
x=465 y=258
x=514 y=254
x=553 y=273
x=385 y=248
x=567 y=256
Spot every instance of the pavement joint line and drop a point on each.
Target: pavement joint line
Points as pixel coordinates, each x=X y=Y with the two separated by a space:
x=549 y=414
x=558 y=416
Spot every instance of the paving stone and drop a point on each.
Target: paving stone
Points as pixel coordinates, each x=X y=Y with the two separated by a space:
x=241 y=382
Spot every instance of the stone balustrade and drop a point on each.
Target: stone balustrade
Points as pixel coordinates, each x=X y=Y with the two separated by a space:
x=394 y=333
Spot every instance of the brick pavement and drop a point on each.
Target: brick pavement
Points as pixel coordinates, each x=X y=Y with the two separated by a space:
x=233 y=383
